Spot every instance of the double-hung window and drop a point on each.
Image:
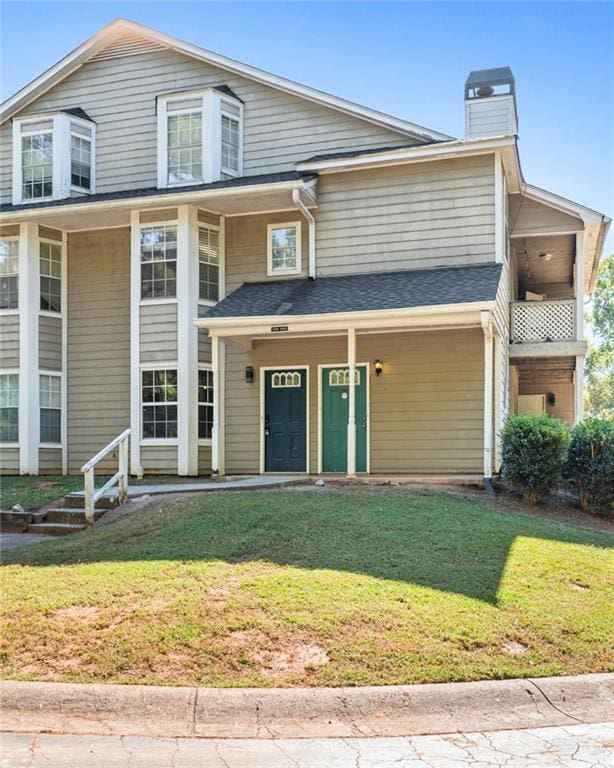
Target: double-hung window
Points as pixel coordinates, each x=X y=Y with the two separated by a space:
x=9 y=407
x=208 y=263
x=50 y=276
x=80 y=161
x=159 y=403
x=284 y=248
x=205 y=404
x=159 y=261
x=50 y=409
x=200 y=137
x=37 y=164
x=9 y=274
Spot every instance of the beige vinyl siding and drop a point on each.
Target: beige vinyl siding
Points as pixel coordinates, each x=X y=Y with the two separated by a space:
x=159 y=459
x=9 y=461
x=50 y=343
x=9 y=341
x=120 y=96
x=490 y=117
x=563 y=407
x=426 y=408
x=246 y=247
x=9 y=230
x=98 y=343
x=48 y=233
x=160 y=214
x=528 y=217
x=416 y=216
x=158 y=323
x=204 y=347
x=50 y=461
x=204 y=459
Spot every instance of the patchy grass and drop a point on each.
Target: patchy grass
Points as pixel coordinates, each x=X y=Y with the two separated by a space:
x=35 y=492
x=320 y=587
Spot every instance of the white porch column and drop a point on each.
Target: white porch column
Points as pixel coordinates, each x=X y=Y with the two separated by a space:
x=187 y=340
x=216 y=458
x=578 y=379
x=135 y=352
x=579 y=285
x=351 y=447
x=499 y=397
x=29 y=305
x=488 y=392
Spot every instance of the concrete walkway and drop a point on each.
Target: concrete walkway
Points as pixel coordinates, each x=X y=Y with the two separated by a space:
x=14 y=540
x=573 y=746
x=230 y=484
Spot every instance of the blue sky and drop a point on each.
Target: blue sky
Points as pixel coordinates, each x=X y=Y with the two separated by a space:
x=408 y=59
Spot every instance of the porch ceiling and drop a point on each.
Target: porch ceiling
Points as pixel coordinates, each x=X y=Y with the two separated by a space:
x=553 y=277
x=546 y=369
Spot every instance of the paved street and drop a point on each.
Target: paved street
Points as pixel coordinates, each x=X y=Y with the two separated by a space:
x=575 y=746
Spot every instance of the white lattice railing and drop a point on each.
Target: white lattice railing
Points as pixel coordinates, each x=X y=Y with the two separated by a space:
x=543 y=320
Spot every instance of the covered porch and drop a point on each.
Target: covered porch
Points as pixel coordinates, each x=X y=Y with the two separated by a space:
x=404 y=391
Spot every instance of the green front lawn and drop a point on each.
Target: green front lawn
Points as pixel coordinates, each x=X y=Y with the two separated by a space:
x=35 y=492
x=310 y=587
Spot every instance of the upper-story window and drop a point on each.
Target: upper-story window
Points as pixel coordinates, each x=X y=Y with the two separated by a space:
x=284 y=248
x=50 y=264
x=9 y=273
x=200 y=137
x=53 y=157
x=208 y=263
x=159 y=261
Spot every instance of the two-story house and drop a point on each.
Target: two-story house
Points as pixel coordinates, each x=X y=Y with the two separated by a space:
x=255 y=276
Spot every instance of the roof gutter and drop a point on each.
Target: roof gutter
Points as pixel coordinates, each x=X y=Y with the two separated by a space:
x=296 y=199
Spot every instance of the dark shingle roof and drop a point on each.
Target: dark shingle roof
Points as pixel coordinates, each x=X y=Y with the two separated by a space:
x=78 y=112
x=241 y=181
x=359 y=152
x=358 y=293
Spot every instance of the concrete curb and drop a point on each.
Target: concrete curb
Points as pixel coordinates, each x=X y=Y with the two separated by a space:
x=267 y=713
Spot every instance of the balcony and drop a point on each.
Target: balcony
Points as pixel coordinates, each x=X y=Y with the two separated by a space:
x=544 y=328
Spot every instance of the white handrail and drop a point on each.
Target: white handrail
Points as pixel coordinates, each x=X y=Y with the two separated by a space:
x=120 y=477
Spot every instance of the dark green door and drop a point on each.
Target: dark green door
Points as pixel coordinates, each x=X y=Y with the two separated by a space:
x=335 y=410
x=285 y=420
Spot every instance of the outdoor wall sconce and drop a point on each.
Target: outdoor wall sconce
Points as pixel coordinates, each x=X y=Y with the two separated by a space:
x=378 y=368
x=249 y=374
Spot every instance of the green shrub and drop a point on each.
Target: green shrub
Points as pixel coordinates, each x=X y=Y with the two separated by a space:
x=533 y=450
x=590 y=462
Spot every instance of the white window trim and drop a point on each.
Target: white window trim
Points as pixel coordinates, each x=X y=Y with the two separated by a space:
x=15 y=310
x=62 y=247
x=205 y=441
x=224 y=169
x=92 y=140
x=13 y=372
x=269 y=248
x=61 y=160
x=59 y=375
x=153 y=441
x=211 y=111
x=155 y=299
x=220 y=264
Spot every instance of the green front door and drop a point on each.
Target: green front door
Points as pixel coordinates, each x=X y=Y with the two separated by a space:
x=335 y=410
x=285 y=420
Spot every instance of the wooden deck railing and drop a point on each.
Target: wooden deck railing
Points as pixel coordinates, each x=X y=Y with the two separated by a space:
x=120 y=478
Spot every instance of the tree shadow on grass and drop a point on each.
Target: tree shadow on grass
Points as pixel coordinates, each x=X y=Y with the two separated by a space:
x=449 y=543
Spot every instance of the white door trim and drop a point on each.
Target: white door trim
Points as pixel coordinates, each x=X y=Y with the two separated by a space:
x=263 y=369
x=321 y=367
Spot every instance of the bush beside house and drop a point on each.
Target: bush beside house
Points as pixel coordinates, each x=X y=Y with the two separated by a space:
x=590 y=462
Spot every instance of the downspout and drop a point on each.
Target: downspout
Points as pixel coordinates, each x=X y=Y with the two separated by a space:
x=296 y=199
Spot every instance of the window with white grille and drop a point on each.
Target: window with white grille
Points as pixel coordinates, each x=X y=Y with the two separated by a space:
x=284 y=248
x=50 y=409
x=9 y=407
x=50 y=264
x=159 y=403
x=208 y=263
x=159 y=261
x=9 y=274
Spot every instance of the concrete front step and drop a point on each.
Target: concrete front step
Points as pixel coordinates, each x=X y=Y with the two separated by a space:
x=12 y=521
x=77 y=501
x=55 y=529
x=68 y=515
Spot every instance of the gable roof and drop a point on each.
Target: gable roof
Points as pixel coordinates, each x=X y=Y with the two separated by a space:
x=122 y=38
x=361 y=293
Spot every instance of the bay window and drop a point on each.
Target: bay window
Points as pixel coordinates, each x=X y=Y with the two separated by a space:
x=50 y=409
x=159 y=261
x=159 y=403
x=208 y=263
x=9 y=407
x=9 y=274
x=50 y=276
x=199 y=137
x=52 y=156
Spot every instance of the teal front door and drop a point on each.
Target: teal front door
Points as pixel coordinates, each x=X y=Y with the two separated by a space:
x=335 y=411
x=285 y=420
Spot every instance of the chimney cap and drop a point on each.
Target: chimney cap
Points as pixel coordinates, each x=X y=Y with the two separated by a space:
x=479 y=78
